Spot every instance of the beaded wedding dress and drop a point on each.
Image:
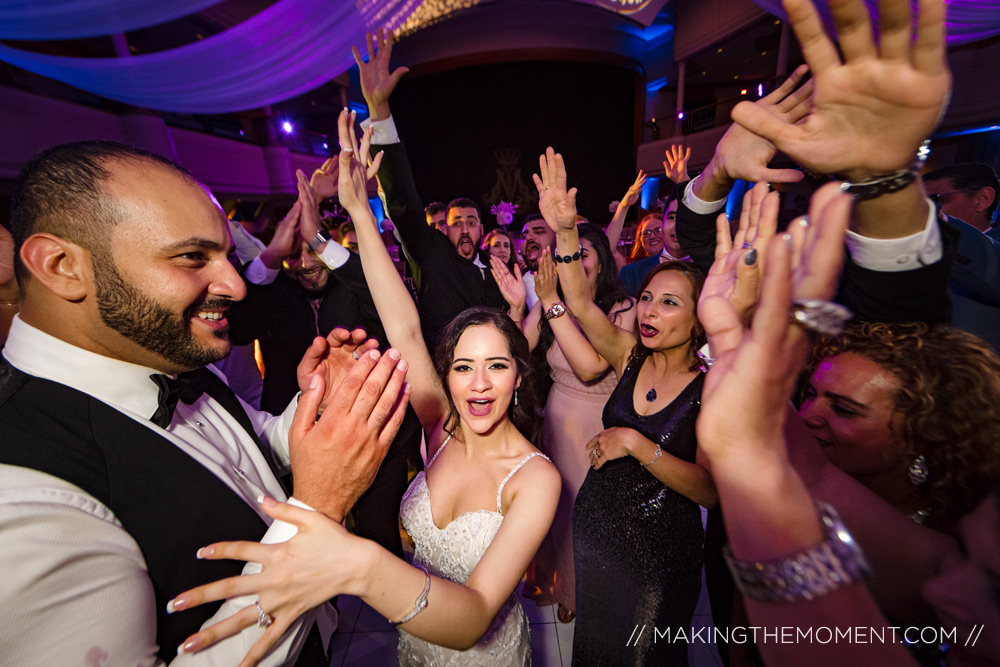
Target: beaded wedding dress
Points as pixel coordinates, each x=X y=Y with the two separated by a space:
x=453 y=553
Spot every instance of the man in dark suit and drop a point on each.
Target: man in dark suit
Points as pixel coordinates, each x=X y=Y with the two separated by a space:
x=454 y=273
x=122 y=453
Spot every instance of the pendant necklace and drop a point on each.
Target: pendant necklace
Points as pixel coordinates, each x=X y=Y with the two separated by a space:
x=651 y=394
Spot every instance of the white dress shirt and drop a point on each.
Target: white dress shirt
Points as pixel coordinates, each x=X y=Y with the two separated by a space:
x=885 y=255
x=75 y=588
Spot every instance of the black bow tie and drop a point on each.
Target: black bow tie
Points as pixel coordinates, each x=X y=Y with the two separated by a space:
x=171 y=391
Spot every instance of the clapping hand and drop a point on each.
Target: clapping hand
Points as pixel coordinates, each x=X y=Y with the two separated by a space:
x=512 y=286
x=676 y=163
x=324 y=179
x=871 y=110
x=286 y=239
x=333 y=357
x=748 y=388
x=546 y=279
x=555 y=203
x=310 y=221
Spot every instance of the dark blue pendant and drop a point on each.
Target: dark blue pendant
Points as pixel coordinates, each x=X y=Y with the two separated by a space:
x=651 y=395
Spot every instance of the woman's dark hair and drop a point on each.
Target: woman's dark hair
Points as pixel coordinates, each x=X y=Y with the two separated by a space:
x=524 y=414
x=697 y=279
x=609 y=291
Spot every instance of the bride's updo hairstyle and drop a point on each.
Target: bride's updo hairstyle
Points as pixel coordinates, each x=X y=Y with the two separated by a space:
x=524 y=415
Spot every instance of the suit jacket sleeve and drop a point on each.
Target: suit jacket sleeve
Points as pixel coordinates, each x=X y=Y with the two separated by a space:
x=696 y=232
x=977 y=264
x=403 y=204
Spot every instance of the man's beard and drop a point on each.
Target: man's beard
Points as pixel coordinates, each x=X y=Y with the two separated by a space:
x=145 y=322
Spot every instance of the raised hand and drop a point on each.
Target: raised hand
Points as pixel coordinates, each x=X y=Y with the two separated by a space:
x=634 y=190
x=332 y=357
x=335 y=458
x=309 y=222
x=353 y=174
x=288 y=584
x=676 y=163
x=555 y=203
x=546 y=279
x=742 y=154
x=324 y=179
x=873 y=109
x=286 y=239
x=512 y=286
x=377 y=83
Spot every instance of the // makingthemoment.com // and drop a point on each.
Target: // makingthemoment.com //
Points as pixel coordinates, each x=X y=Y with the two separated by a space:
x=797 y=635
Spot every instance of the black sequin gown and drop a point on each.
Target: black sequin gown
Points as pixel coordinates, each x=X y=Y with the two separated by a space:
x=637 y=543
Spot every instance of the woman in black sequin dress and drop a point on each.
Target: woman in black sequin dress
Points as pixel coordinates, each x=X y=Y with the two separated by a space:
x=636 y=525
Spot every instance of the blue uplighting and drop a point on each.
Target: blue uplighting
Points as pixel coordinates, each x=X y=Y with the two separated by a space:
x=650 y=192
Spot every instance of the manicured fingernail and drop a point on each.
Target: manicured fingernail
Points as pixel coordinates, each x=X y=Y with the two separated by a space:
x=374 y=354
x=177 y=604
x=393 y=353
x=787 y=238
x=268 y=501
x=345 y=108
x=402 y=366
x=190 y=646
x=204 y=552
x=804 y=221
x=260 y=499
x=314 y=382
x=750 y=258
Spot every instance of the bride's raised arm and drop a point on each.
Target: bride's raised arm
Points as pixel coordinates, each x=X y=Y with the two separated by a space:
x=392 y=300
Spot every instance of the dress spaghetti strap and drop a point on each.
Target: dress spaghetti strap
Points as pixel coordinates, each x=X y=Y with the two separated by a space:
x=438 y=452
x=511 y=474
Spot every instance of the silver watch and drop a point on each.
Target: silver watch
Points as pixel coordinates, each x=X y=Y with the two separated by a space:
x=810 y=573
x=322 y=236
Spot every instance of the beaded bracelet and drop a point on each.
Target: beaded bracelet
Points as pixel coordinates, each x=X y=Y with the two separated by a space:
x=566 y=259
x=421 y=602
x=810 y=573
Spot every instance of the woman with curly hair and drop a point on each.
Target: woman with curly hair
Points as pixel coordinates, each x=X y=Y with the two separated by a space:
x=911 y=412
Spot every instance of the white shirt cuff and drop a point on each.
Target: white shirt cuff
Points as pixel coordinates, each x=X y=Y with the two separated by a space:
x=700 y=205
x=247 y=246
x=902 y=254
x=259 y=274
x=334 y=255
x=385 y=131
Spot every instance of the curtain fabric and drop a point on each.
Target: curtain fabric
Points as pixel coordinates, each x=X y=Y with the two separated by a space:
x=965 y=20
x=285 y=50
x=71 y=19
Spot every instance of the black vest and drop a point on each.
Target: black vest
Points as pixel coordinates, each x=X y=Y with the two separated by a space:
x=168 y=502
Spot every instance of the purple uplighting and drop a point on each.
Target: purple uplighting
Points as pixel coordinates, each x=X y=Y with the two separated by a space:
x=287 y=127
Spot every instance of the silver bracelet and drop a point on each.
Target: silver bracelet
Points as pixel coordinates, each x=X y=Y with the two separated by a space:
x=810 y=573
x=421 y=602
x=659 y=453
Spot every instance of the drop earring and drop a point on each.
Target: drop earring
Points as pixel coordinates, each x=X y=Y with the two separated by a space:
x=515 y=395
x=918 y=471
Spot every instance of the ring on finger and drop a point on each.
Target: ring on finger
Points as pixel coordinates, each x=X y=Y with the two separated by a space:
x=819 y=316
x=264 y=619
x=356 y=355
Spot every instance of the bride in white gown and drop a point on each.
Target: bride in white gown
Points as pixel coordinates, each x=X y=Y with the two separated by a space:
x=477 y=514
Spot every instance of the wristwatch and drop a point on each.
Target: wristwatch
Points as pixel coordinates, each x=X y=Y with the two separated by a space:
x=558 y=309
x=810 y=573
x=322 y=236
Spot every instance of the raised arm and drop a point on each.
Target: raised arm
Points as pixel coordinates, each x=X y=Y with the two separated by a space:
x=395 y=306
x=768 y=511
x=614 y=230
x=558 y=207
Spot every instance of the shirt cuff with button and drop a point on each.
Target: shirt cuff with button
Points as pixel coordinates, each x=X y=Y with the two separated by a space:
x=902 y=254
x=384 y=131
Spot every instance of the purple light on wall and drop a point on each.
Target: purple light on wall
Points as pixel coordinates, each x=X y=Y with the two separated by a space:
x=680 y=116
x=287 y=127
x=760 y=90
